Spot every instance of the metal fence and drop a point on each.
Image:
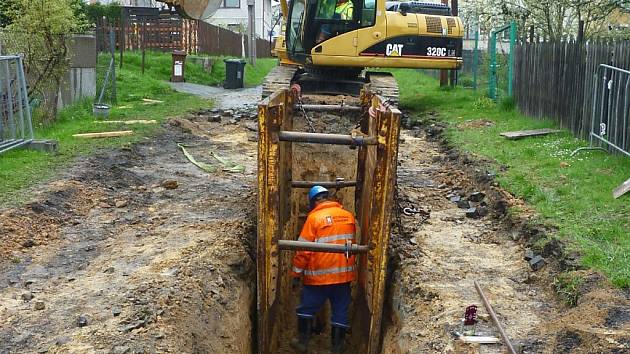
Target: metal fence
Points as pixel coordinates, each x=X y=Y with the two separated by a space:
x=16 y=128
x=611 y=110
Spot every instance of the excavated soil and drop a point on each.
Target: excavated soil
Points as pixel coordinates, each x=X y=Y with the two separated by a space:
x=434 y=261
x=136 y=250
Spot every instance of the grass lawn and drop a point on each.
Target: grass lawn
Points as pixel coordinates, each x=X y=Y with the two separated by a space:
x=572 y=193
x=21 y=169
x=158 y=66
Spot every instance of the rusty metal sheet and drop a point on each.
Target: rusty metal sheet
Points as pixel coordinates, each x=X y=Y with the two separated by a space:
x=274 y=176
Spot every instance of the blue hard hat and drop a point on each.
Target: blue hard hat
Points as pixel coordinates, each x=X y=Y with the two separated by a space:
x=313 y=193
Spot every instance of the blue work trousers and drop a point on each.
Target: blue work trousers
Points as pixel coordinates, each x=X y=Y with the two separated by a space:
x=314 y=297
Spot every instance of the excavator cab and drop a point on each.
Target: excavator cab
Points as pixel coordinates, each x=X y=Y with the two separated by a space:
x=313 y=21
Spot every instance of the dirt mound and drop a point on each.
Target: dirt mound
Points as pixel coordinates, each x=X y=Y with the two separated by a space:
x=38 y=223
x=600 y=323
x=476 y=124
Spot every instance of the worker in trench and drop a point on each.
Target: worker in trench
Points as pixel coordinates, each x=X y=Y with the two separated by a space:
x=326 y=276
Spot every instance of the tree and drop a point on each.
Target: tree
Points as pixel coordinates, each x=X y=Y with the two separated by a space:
x=7 y=9
x=95 y=12
x=553 y=20
x=41 y=31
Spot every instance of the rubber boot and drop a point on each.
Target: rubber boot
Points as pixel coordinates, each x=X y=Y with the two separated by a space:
x=338 y=337
x=305 y=328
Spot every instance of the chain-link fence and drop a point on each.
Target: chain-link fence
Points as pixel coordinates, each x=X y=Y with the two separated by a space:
x=16 y=127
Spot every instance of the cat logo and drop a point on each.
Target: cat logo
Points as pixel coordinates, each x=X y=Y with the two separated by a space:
x=394 y=50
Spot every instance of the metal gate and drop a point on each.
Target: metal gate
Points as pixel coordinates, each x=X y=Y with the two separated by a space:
x=16 y=128
x=493 y=89
x=612 y=108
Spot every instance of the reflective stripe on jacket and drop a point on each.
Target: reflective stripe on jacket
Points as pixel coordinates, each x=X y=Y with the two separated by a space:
x=327 y=223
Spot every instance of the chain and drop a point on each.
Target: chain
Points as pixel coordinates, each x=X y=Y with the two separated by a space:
x=309 y=121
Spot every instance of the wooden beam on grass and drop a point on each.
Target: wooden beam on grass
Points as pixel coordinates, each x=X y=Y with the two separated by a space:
x=128 y=122
x=527 y=133
x=104 y=134
x=622 y=189
x=147 y=101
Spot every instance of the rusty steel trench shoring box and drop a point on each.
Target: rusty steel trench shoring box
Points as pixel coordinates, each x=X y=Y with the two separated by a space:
x=278 y=219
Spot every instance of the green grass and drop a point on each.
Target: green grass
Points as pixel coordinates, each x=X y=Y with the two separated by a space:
x=572 y=193
x=21 y=169
x=158 y=66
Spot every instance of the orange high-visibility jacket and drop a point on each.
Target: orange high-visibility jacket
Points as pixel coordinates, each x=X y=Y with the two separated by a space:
x=328 y=222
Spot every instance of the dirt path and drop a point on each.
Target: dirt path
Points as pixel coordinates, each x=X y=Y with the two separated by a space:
x=141 y=251
x=435 y=262
x=440 y=259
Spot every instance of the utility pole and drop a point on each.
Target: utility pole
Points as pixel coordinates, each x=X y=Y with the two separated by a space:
x=455 y=12
x=443 y=72
x=251 y=31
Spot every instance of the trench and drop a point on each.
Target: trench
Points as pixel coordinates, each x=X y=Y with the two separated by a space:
x=312 y=162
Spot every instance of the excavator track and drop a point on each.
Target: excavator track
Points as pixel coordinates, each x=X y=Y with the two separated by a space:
x=279 y=78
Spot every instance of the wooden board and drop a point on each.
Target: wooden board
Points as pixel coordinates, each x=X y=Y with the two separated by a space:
x=104 y=134
x=480 y=339
x=622 y=189
x=527 y=133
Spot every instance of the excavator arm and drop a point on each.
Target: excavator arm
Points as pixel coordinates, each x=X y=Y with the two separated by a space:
x=284 y=8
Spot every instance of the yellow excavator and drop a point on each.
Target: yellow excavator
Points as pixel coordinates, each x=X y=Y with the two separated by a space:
x=324 y=51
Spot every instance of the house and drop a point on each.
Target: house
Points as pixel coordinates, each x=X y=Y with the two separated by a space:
x=232 y=14
x=140 y=3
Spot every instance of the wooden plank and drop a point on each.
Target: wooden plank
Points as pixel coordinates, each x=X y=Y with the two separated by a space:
x=104 y=134
x=128 y=122
x=527 y=133
x=480 y=339
x=622 y=189
x=150 y=101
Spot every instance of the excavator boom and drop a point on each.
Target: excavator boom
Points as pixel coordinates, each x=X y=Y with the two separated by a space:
x=195 y=9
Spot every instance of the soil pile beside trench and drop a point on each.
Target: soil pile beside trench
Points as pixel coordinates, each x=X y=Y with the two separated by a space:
x=137 y=250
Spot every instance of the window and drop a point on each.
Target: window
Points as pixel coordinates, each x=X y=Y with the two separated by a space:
x=231 y=4
x=368 y=17
x=234 y=27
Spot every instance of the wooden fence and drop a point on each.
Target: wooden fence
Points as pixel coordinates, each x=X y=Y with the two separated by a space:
x=166 y=31
x=556 y=80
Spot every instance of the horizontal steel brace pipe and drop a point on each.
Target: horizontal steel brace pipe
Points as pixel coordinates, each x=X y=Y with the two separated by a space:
x=331 y=139
x=14 y=145
x=321 y=247
x=309 y=184
x=330 y=108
